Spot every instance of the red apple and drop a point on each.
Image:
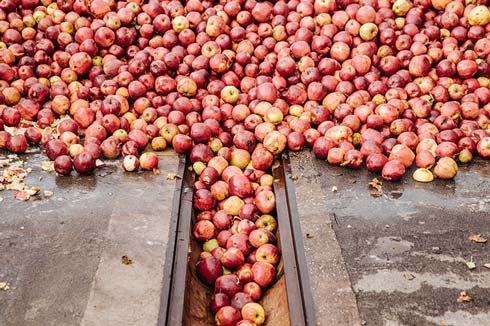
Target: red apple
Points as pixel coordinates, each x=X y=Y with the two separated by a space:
x=209 y=269
x=227 y=316
x=264 y=273
x=268 y=253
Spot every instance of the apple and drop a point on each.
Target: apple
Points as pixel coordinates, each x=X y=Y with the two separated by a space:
x=204 y=200
x=210 y=245
x=227 y=315
x=228 y=284
x=267 y=222
x=218 y=300
x=233 y=258
x=483 y=147
x=230 y=94
x=254 y=290
x=254 y=312
x=265 y=201
x=239 y=241
x=240 y=185
x=264 y=273
x=246 y=226
x=244 y=273
x=209 y=269
x=268 y=253
x=204 y=230
x=260 y=237
x=232 y=205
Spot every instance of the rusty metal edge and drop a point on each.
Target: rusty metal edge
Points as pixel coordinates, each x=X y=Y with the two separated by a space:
x=170 y=257
x=303 y=272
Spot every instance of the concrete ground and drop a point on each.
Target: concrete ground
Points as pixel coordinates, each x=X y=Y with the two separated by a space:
x=400 y=256
x=397 y=259
x=62 y=255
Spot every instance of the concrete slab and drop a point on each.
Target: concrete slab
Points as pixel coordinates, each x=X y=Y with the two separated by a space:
x=62 y=255
x=334 y=298
x=405 y=251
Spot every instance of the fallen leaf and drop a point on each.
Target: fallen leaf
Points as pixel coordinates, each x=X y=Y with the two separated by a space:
x=22 y=195
x=471 y=265
x=486 y=265
x=99 y=163
x=477 y=238
x=172 y=176
x=126 y=260
x=463 y=297
x=376 y=188
x=156 y=171
x=309 y=236
x=33 y=191
x=1 y=199
x=408 y=276
x=4 y=286
x=294 y=177
x=47 y=166
x=334 y=189
x=48 y=193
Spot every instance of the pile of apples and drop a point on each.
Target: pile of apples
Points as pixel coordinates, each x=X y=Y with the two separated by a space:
x=385 y=84
x=238 y=234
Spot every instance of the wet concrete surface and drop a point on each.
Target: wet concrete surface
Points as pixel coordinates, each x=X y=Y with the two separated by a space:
x=61 y=255
x=405 y=251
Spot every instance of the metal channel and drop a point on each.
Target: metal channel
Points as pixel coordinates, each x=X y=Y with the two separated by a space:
x=173 y=286
x=295 y=268
x=303 y=273
x=300 y=301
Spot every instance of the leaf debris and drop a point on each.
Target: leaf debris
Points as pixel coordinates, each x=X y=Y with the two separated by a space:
x=126 y=260
x=172 y=176
x=463 y=297
x=408 y=276
x=47 y=166
x=4 y=286
x=477 y=238
x=376 y=188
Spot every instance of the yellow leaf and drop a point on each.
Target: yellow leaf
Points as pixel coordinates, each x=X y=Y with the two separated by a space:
x=477 y=238
x=463 y=297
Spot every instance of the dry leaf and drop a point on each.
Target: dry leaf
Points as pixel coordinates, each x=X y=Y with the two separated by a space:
x=471 y=265
x=126 y=260
x=294 y=177
x=408 y=276
x=47 y=166
x=309 y=236
x=33 y=191
x=172 y=176
x=376 y=188
x=22 y=195
x=486 y=265
x=463 y=297
x=156 y=171
x=48 y=193
x=4 y=286
x=99 y=163
x=477 y=238
x=334 y=189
